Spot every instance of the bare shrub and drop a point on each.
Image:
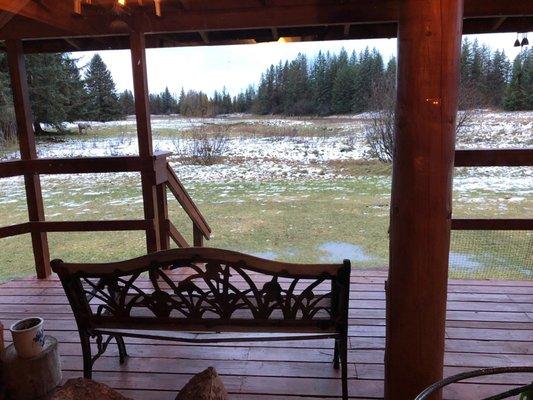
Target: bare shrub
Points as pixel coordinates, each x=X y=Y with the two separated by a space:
x=208 y=148
x=380 y=129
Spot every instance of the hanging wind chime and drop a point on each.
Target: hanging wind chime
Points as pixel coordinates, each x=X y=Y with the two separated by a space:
x=523 y=42
x=119 y=5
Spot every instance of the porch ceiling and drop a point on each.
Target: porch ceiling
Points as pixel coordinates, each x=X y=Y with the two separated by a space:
x=50 y=26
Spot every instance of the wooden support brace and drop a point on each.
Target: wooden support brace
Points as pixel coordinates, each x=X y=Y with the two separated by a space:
x=198 y=237
x=34 y=198
x=162 y=207
x=144 y=136
x=429 y=41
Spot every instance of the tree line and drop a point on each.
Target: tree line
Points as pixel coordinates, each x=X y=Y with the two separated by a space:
x=63 y=91
x=346 y=83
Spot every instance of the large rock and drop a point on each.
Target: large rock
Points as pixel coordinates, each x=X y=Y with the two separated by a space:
x=204 y=386
x=86 y=389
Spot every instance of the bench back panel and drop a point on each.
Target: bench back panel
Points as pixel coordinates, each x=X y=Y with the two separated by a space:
x=204 y=292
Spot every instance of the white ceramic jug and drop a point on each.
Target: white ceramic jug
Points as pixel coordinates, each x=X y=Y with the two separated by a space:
x=28 y=337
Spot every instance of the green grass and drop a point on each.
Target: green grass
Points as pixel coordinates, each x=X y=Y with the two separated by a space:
x=288 y=220
x=284 y=219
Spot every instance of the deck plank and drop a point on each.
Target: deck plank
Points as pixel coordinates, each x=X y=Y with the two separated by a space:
x=490 y=323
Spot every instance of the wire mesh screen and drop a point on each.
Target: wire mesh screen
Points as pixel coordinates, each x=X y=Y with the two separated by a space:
x=491 y=255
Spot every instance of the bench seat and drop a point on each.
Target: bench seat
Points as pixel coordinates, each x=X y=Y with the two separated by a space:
x=207 y=295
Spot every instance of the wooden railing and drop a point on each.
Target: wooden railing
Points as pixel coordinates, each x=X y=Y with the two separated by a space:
x=156 y=167
x=493 y=158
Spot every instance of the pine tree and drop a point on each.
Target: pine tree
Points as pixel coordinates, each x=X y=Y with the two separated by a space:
x=50 y=85
x=341 y=92
x=497 y=77
x=127 y=102
x=321 y=89
x=168 y=104
x=104 y=105
x=518 y=95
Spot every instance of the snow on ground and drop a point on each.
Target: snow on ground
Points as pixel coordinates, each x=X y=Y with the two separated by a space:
x=301 y=157
x=497 y=130
x=180 y=124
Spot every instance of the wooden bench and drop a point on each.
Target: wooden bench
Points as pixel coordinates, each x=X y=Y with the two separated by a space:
x=198 y=294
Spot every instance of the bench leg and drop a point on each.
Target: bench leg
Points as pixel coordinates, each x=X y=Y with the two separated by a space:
x=121 y=349
x=336 y=354
x=87 y=356
x=344 y=365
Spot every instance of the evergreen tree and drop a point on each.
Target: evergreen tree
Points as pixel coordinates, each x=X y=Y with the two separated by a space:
x=103 y=105
x=341 y=93
x=127 y=102
x=497 y=78
x=57 y=93
x=519 y=92
x=168 y=104
x=320 y=86
x=296 y=96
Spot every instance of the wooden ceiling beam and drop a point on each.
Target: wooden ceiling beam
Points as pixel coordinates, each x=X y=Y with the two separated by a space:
x=56 y=19
x=57 y=14
x=360 y=31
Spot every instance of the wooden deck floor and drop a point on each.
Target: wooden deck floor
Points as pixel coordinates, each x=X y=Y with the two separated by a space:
x=490 y=323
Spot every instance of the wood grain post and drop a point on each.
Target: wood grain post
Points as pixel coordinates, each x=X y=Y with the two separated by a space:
x=198 y=236
x=162 y=207
x=429 y=39
x=28 y=152
x=144 y=137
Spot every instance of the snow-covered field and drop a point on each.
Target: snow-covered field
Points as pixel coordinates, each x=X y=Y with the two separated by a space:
x=294 y=156
x=319 y=154
x=287 y=161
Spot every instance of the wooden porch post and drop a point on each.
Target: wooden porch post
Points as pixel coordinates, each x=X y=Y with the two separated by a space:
x=26 y=138
x=144 y=137
x=429 y=38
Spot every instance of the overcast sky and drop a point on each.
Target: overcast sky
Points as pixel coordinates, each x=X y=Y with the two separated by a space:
x=209 y=68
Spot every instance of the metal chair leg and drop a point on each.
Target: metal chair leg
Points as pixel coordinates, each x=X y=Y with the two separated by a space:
x=87 y=356
x=344 y=366
x=336 y=364
x=121 y=349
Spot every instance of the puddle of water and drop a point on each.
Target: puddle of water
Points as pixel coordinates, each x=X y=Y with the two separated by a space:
x=338 y=251
x=464 y=261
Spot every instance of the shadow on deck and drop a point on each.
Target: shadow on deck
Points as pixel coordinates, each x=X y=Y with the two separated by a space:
x=489 y=324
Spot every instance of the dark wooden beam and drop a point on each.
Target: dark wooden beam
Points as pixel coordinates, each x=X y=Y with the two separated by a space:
x=144 y=136
x=162 y=209
x=28 y=152
x=429 y=41
x=56 y=14
x=357 y=31
x=176 y=235
x=205 y=36
x=499 y=224
x=346 y=30
x=11 y=168
x=198 y=236
x=494 y=158
x=498 y=23
x=210 y=16
x=14 y=230
x=91 y=226
x=187 y=204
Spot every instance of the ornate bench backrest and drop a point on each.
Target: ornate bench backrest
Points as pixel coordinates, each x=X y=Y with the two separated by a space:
x=207 y=289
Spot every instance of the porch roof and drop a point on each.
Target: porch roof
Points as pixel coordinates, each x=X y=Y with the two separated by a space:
x=54 y=26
